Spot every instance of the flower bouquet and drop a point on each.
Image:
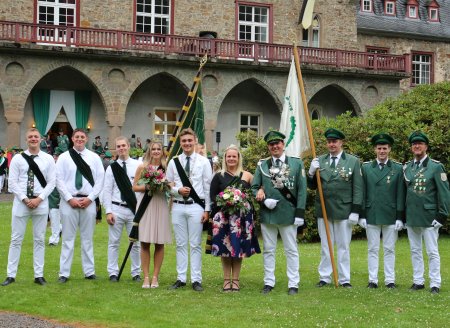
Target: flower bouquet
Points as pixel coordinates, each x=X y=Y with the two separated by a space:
x=233 y=200
x=154 y=180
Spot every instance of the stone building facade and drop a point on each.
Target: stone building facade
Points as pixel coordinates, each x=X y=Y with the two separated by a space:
x=136 y=91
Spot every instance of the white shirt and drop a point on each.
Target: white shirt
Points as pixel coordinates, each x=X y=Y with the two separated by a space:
x=200 y=175
x=18 y=179
x=111 y=192
x=65 y=175
x=282 y=158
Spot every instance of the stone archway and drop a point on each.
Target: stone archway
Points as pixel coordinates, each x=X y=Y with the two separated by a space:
x=334 y=100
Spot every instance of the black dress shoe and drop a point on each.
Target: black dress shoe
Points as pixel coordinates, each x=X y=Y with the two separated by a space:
x=197 y=286
x=177 y=284
x=434 y=290
x=391 y=285
x=63 y=279
x=372 y=285
x=136 y=278
x=293 y=291
x=113 y=278
x=266 y=289
x=91 y=277
x=8 y=281
x=51 y=244
x=417 y=287
x=40 y=280
x=346 y=285
x=322 y=283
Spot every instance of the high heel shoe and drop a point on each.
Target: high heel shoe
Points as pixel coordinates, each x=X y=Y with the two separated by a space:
x=146 y=284
x=155 y=283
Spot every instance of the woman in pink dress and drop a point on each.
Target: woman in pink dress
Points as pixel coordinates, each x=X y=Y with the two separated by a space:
x=154 y=227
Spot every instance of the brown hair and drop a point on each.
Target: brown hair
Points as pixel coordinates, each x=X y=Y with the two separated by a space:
x=188 y=131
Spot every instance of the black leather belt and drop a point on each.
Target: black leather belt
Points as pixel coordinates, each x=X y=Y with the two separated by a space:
x=120 y=204
x=80 y=195
x=33 y=197
x=185 y=202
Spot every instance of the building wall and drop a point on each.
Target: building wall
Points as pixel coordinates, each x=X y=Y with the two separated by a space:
x=17 y=10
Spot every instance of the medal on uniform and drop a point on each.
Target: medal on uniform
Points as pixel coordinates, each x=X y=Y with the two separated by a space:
x=388 y=179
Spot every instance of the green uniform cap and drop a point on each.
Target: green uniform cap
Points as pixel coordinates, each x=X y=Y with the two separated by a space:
x=108 y=154
x=418 y=136
x=382 y=139
x=273 y=135
x=15 y=148
x=334 y=134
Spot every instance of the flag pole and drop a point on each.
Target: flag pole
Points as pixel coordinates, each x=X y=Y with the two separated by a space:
x=313 y=150
x=186 y=107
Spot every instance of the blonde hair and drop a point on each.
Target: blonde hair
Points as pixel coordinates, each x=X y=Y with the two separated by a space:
x=147 y=159
x=224 y=162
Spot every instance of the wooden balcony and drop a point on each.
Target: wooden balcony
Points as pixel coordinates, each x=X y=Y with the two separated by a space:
x=19 y=32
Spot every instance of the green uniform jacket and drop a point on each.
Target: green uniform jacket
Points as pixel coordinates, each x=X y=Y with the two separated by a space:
x=384 y=193
x=54 y=199
x=63 y=143
x=285 y=212
x=342 y=187
x=427 y=195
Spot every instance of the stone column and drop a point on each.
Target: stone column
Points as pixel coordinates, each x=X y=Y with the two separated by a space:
x=115 y=123
x=14 y=119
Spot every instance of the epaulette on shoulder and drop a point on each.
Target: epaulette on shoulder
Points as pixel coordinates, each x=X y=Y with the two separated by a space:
x=408 y=162
x=368 y=162
x=396 y=162
x=435 y=161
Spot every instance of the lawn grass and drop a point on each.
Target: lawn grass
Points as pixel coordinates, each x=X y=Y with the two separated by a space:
x=103 y=304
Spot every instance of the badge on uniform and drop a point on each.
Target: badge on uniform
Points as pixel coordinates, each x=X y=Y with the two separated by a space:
x=303 y=173
x=443 y=176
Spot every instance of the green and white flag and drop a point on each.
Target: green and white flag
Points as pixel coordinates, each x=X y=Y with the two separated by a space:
x=293 y=121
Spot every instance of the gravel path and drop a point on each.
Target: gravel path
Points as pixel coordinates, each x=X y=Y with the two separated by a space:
x=14 y=320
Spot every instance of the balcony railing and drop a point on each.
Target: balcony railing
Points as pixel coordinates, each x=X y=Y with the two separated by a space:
x=216 y=48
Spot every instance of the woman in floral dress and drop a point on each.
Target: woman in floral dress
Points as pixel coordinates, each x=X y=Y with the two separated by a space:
x=233 y=233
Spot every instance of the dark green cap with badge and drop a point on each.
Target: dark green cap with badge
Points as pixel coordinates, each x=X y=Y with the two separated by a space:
x=108 y=154
x=418 y=136
x=273 y=135
x=382 y=139
x=334 y=134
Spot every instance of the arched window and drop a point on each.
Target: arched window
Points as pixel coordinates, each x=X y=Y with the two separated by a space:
x=311 y=36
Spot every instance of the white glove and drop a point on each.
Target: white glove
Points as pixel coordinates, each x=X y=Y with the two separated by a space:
x=362 y=223
x=436 y=225
x=353 y=218
x=270 y=203
x=299 y=222
x=399 y=225
x=314 y=167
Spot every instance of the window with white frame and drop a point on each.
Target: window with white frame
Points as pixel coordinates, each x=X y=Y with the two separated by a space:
x=311 y=36
x=412 y=11
x=249 y=121
x=164 y=124
x=422 y=68
x=433 y=14
x=366 y=6
x=55 y=12
x=253 y=23
x=389 y=8
x=153 y=16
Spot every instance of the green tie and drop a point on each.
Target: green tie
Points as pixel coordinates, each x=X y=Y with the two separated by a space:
x=78 y=179
x=333 y=162
x=278 y=162
x=187 y=167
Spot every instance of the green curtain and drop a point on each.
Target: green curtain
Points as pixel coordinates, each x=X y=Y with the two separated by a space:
x=41 y=108
x=82 y=107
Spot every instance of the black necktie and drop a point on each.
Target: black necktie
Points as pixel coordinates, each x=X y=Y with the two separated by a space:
x=124 y=166
x=417 y=164
x=333 y=162
x=278 y=162
x=30 y=181
x=382 y=166
x=187 y=167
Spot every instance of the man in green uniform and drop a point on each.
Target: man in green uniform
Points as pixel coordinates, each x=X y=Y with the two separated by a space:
x=384 y=208
x=53 y=201
x=280 y=185
x=340 y=174
x=427 y=204
x=63 y=141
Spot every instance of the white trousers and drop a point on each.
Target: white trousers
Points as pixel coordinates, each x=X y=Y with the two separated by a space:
x=430 y=237
x=2 y=181
x=188 y=227
x=55 y=224
x=341 y=235
x=18 y=227
x=390 y=236
x=288 y=235
x=71 y=220
x=115 y=234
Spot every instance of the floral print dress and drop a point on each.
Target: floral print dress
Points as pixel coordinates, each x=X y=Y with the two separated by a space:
x=233 y=235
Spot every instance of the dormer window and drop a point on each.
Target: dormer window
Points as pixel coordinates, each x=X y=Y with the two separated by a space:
x=367 y=6
x=412 y=9
x=433 y=11
x=389 y=8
